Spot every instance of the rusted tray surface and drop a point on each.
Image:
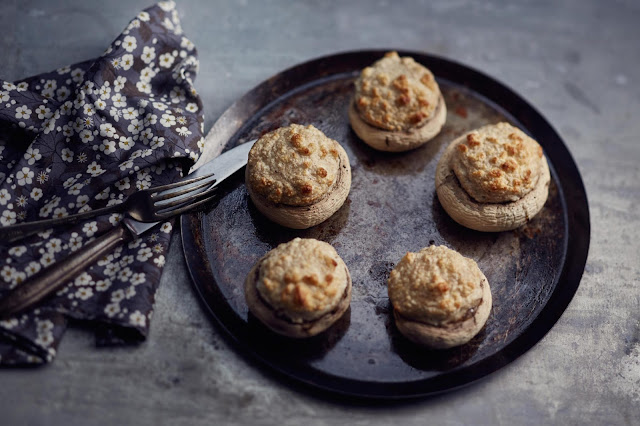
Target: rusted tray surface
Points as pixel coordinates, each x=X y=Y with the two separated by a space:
x=392 y=208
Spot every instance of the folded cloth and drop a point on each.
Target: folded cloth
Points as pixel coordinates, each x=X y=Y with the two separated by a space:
x=83 y=137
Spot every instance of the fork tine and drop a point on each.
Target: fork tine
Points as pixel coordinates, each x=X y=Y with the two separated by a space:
x=170 y=213
x=181 y=183
x=178 y=201
x=173 y=194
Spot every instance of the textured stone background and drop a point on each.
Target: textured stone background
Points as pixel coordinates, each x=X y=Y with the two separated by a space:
x=577 y=61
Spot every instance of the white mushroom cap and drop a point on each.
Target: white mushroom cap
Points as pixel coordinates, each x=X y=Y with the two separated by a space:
x=398 y=141
x=302 y=217
x=440 y=298
x=300 y=288
x=488 y=217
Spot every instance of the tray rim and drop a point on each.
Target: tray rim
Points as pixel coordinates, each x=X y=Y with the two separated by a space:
x=573 y=197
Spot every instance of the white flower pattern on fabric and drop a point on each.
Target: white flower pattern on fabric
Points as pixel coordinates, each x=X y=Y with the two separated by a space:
x=126 y=61
x=87 y=129
x=148 y=54
x=183 y=131
x=32 y=155
x=129 y=43
x=23 y=112
x=17 y=251
x=166 y=60
x=168 y=120
x=5 y=196
x=137 y=318
x=25 y=176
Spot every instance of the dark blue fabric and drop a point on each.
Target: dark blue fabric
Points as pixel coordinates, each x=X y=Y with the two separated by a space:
x=84 y=137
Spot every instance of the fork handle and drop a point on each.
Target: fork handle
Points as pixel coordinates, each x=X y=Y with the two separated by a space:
x=51 y=279
x=14 y=233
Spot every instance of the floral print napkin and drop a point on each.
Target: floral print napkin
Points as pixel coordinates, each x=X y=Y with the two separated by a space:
x=83 y=137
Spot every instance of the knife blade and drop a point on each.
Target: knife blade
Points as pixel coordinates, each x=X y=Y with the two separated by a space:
x=50 y=279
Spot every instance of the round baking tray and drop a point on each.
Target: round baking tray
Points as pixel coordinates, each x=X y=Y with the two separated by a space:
x=392 y=208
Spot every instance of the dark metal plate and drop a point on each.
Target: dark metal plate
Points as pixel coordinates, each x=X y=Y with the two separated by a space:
x=392 y=208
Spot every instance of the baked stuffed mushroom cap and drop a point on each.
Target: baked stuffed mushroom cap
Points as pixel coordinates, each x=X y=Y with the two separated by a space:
x=440 y=298
x=495 y=178
x=297 y=176
x=300 y=288
x=397 y=104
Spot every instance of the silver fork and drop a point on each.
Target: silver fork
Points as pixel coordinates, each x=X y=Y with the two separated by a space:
x=147 y=205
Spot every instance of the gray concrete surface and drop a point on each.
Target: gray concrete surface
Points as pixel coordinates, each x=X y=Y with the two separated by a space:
x=577 y=61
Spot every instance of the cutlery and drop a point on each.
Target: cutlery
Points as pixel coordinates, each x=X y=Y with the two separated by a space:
x=52 y=278
x=146 y=205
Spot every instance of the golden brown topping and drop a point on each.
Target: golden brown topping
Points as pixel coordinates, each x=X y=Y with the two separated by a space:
x=495 y=185
x=279 y=166
x=401 y=83
x=442 y=287
x=403 y=100
x=509 y=165
x=427 y=80
x=417 y=117
x=310 y=280
x=363 y=102
x=306 y=188
x=436 y=286
x=301 y=297
x=383 y=79
x=298 y=278
x=500 y=145
x=296 y=140
x=409 y=88
x=473 y=140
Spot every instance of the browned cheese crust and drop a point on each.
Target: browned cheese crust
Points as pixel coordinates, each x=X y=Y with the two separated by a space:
x=294 y=165
x=396 y=93
x=451 y=335
x=397 y=105
x=498 y=163
x=300 y=288
x=440 y=298
x=511 y=169
x=327 y=199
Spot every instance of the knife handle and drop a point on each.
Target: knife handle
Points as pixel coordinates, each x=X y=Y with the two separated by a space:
x=48 y=280
x=14 y=233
